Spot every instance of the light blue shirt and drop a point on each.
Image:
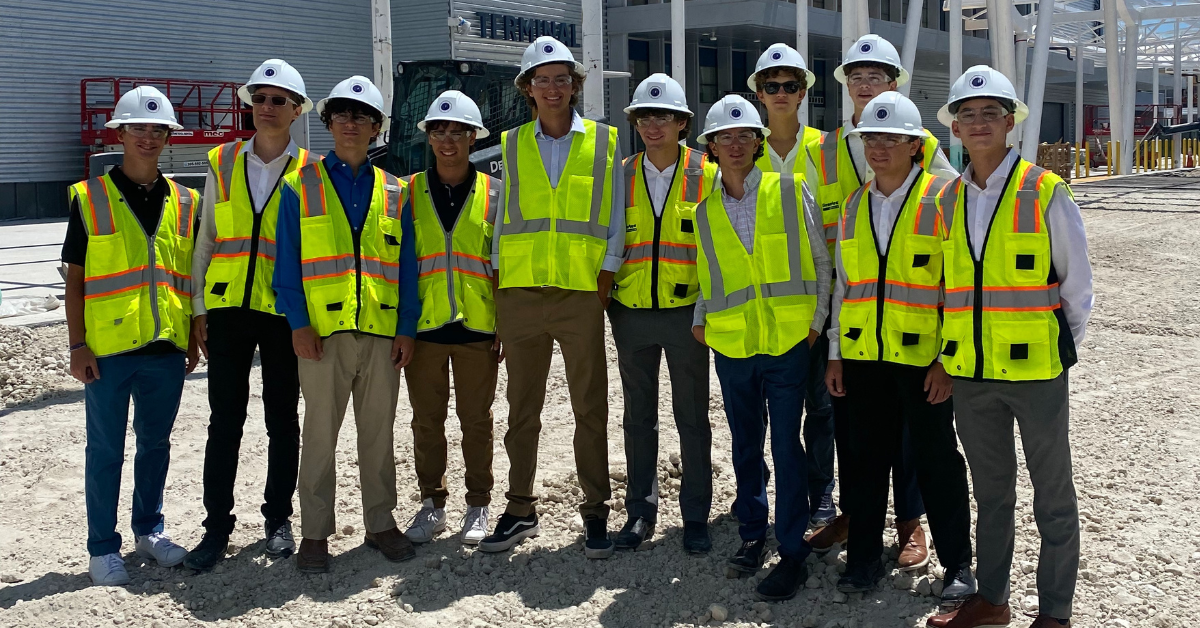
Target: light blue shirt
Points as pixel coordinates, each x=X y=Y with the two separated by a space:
x=555 y=152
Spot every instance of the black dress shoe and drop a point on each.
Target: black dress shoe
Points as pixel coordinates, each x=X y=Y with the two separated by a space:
x=695 y=537
x=749 y=557
x=208 y=553
x=783 y=581
x=635 y=532
x=958 y=585
x=861 y=577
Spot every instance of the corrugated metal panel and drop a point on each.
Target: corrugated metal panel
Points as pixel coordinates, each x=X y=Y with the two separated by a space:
x=929 y=91
x=470 y=46
x=420 y=31
x=48 y=46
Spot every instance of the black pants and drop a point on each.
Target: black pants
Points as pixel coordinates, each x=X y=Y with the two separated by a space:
x=883 y=399
x=233 y=335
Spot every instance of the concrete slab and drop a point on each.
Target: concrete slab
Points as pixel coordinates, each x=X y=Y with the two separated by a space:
x=30 y=253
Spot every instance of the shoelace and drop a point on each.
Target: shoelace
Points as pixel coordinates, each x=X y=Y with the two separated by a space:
x=424 y=517
x=478 y=522
x=113 y=562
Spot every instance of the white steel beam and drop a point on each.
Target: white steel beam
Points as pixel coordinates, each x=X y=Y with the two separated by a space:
x=912 y=31
x=1037 y=82
x=381 y=53
x=678 y=44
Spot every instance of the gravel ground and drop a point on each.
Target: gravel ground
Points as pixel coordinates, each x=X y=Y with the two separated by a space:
x=1134 y=404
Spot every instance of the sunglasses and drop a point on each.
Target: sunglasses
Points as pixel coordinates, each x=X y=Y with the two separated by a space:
x=276 y=101
x=790 y=87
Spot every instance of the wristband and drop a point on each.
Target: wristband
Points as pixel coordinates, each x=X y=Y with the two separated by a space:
x=77 y=346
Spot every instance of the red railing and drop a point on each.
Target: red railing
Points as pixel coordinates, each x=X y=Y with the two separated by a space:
x=1096 y=120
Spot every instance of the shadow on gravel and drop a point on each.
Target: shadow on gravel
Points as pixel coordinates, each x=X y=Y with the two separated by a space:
x=61 y=396
x=52 y=583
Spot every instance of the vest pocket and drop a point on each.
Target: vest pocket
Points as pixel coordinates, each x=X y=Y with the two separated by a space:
x=957 y=358
x=379 y=305
x=579 y=198
x=480 y=310
x=774 y=253
x=627 y=285
x=224 y=220
x=726 y=332
x=1020 y=350
x=585 y=263
x=950 y=260
x=317 y=237
x=856 y=328
x=116 y=323
x=849 y=250
x=924 y=266
x=1026 y=258
x=516 y=262
x=330 y=308
x=911 y=337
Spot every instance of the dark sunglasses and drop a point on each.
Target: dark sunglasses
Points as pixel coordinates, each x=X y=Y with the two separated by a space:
x=276 y=101
x=790 y=87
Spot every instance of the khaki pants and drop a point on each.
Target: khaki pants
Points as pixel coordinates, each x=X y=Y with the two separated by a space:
x=529 y=321
x=360 y=365
x=428 y=377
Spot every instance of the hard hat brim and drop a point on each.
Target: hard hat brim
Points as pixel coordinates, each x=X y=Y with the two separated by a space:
x=387 y=122
x=1020 y=112
x=903 y=77
x=703 y=137
x=811 y=78
x=112 y=124
x=480 y=132
x=893 y=130
x=632 y=108
x=244 y=93
x=579 y=67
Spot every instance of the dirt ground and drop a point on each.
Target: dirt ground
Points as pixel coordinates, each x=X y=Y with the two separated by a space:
x=1136 y=435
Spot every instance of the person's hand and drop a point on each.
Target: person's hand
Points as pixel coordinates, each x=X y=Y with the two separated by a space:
x=698 y=334
x=812 y=337
x=200 y=333
x=498 y=349
x=83 y=365
x=307 y=343
x=193 y=354
x=938 y=384
x=402 y=351
x=833 y=379
x=604 y=283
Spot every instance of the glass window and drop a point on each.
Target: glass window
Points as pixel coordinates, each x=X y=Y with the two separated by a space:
x=708 y=76
x=741 y=71
x=885 y=10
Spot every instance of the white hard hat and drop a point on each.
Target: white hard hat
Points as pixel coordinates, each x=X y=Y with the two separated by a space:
x=546 y=49
x=455 y=106
x=358 y=88
x=781 y=56
x=981 y=81
x=731 y=112
x=873 y=49
x=890 y=112
x=659 y=91
x=276 y=73
x=143 y=105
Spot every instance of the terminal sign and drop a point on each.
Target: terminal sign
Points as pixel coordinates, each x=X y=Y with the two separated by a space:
x=513 y=28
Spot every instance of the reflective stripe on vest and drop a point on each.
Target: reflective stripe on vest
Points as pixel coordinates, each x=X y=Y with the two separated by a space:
x=517 y=223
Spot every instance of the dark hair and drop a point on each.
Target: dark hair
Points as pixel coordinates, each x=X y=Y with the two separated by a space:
x=891 y=72
x=437 y=125
x=762 y=148
x=525 y=81
x=353 y=107
x=679 y=116
x=770 y=73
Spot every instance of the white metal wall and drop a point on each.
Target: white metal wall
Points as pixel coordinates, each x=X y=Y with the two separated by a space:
x=470 y=46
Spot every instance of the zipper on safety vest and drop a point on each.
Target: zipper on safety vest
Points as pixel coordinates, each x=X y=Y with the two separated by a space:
x=654 y=259
x=356 y=235
x=253 y=264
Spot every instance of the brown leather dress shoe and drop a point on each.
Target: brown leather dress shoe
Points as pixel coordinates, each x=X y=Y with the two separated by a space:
x=393 y=544
x=976 y=612
x=836 y=532
x=914 y=550
x=313 y=556
x=1046 y=621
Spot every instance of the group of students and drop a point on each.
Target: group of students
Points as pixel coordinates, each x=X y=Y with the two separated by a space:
x=850 y=275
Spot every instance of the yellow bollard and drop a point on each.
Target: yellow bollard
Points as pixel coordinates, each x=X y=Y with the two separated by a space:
x=1110 y=158
x=1077 y=156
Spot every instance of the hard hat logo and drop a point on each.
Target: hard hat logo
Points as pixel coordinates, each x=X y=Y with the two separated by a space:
x=655 y=92
x=446 y=106
x=269 y=72
x=882 y=114
x=865 y=48
x=735 y=113
x=548 y=48
x=775 y=56
x=151 y=105
x=357 y=88
x=978 y=82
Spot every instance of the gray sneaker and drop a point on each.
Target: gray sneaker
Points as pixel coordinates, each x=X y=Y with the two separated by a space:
x=279 y=540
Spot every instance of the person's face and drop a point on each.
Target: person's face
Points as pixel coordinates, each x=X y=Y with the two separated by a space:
x=353 y=131
x=867 y=83
x=451 y=144
x=789 y=93
x=659 y=129
x=146 y=141
x=735 y=148
x=982 y=124
x=274 y=109
x=552 y=87
x=890 y=153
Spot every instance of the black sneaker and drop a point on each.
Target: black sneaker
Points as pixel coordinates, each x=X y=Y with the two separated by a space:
x=596 y=543
x=749 y=557
x=510 y=530
x=695 y=537
x=783 y=581
x=208 y=553
x=279 y=539
x=824 y=514
x=958 y=584
x=861 y=577
x=635 y=532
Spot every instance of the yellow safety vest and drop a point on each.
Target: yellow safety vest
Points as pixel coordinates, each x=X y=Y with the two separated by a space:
x=660 y=251
x=837 y=177
x=761 y=302
x=556 y=236
x=137 y=286
x=800 y=168
x=892 y=316
x=1003 y=316
x=245 y=244
x=455 y=269
x=350 y=283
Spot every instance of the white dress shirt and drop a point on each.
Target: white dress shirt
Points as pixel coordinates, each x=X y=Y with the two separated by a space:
x=554 y=152
x=1068 y=241
x=658 y=183
x=787 y=162
x=885 y=210
x=262 y=179
x=742 y=214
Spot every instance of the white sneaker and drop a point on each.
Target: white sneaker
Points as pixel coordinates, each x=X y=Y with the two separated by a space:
x=158 y=546
x=427 y=523
x=475 y=525
x=108 y=570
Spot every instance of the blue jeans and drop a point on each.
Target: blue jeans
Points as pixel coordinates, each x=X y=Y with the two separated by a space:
x=775 y=384
x=818 y=429
x=155 y=382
